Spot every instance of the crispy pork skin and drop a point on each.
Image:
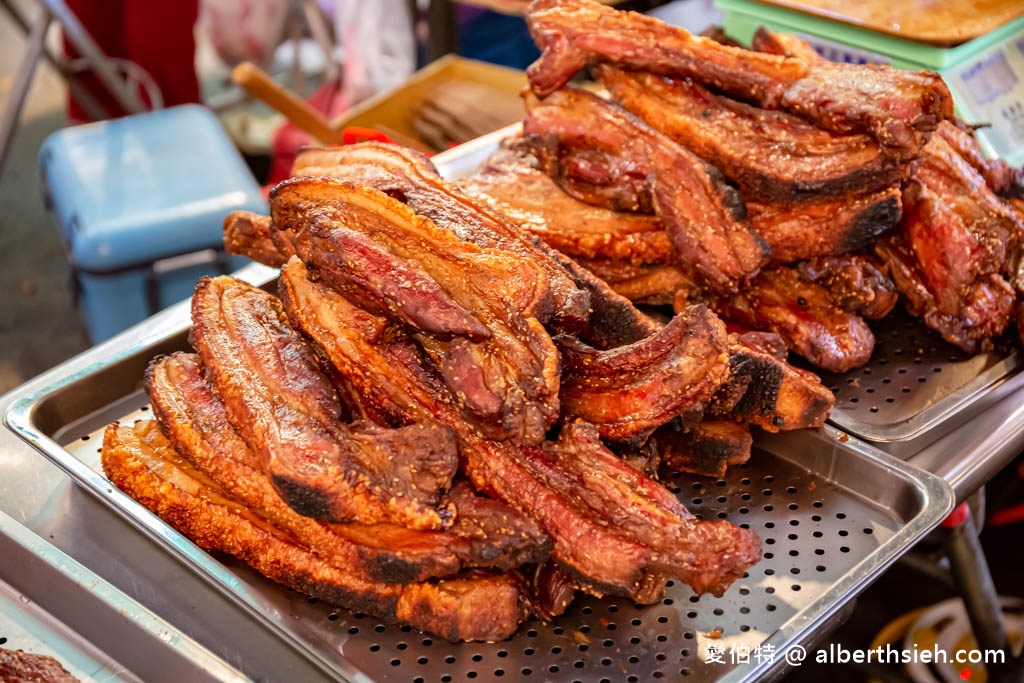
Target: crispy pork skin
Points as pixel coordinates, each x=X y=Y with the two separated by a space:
x=287 y=411
x=142 y=463
x=772 y=156
x=630 y=390
x=412 y=178
x=509 y=378
x=603 y=155
x=485 y=533
x=898 y=108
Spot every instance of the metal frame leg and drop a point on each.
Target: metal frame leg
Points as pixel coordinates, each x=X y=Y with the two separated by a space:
x=22 y=82
x=89 y=104
x=974 y=582
x=127 y=97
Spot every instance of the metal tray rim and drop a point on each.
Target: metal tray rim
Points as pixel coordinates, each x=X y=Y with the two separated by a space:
x=970 y=396
x=117 y=601
x=935 y=502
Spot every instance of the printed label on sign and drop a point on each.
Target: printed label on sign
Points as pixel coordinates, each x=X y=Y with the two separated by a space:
x=837 y=52
x=989 y=78
x=990 y=90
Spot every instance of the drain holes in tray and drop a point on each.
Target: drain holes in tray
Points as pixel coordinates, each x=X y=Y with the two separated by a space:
x=810 y=537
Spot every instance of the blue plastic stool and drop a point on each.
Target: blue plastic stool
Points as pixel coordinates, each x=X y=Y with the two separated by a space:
x=140 y=202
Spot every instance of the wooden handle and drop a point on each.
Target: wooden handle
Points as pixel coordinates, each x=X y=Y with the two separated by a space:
x=257 y=83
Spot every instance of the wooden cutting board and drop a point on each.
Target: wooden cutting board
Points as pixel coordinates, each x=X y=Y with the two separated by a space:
x=938 y=22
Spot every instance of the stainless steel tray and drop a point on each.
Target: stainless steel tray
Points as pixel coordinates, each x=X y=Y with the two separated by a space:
x=51 y=605
x=917 y=387
x=833 y=513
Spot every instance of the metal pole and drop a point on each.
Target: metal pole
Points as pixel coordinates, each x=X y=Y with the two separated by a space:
x=92 y=108
x=22 y=82
x=974 y=581
x=127 y=97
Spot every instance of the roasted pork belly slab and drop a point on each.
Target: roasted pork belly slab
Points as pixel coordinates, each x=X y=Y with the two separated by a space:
x=898 y=108
x=485 y=533
x=603 y=155
x=614 y=320
x=672 y=542
x=252 y=235
x=511 y=182
x=142 y=463
x=956 y=258
x=826 y=227
x=411 y=178
x=771 y=156
x=1001 y=178
x=287 y=411
x=763 y=389
x=954 y=224
x=630 y=390
x=707 y=449
x=803 y=314
x=598 y=557
x=506 y=378
x=984 y=312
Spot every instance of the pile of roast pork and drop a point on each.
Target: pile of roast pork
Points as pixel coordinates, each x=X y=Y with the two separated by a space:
x=436 y=417
x=788 y=193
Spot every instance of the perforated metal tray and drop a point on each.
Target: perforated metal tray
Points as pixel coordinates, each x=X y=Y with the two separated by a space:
x=51 y=605
x=916 y=386
x=833 y=513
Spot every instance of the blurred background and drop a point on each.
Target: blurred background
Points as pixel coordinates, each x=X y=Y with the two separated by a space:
x=327 y=52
